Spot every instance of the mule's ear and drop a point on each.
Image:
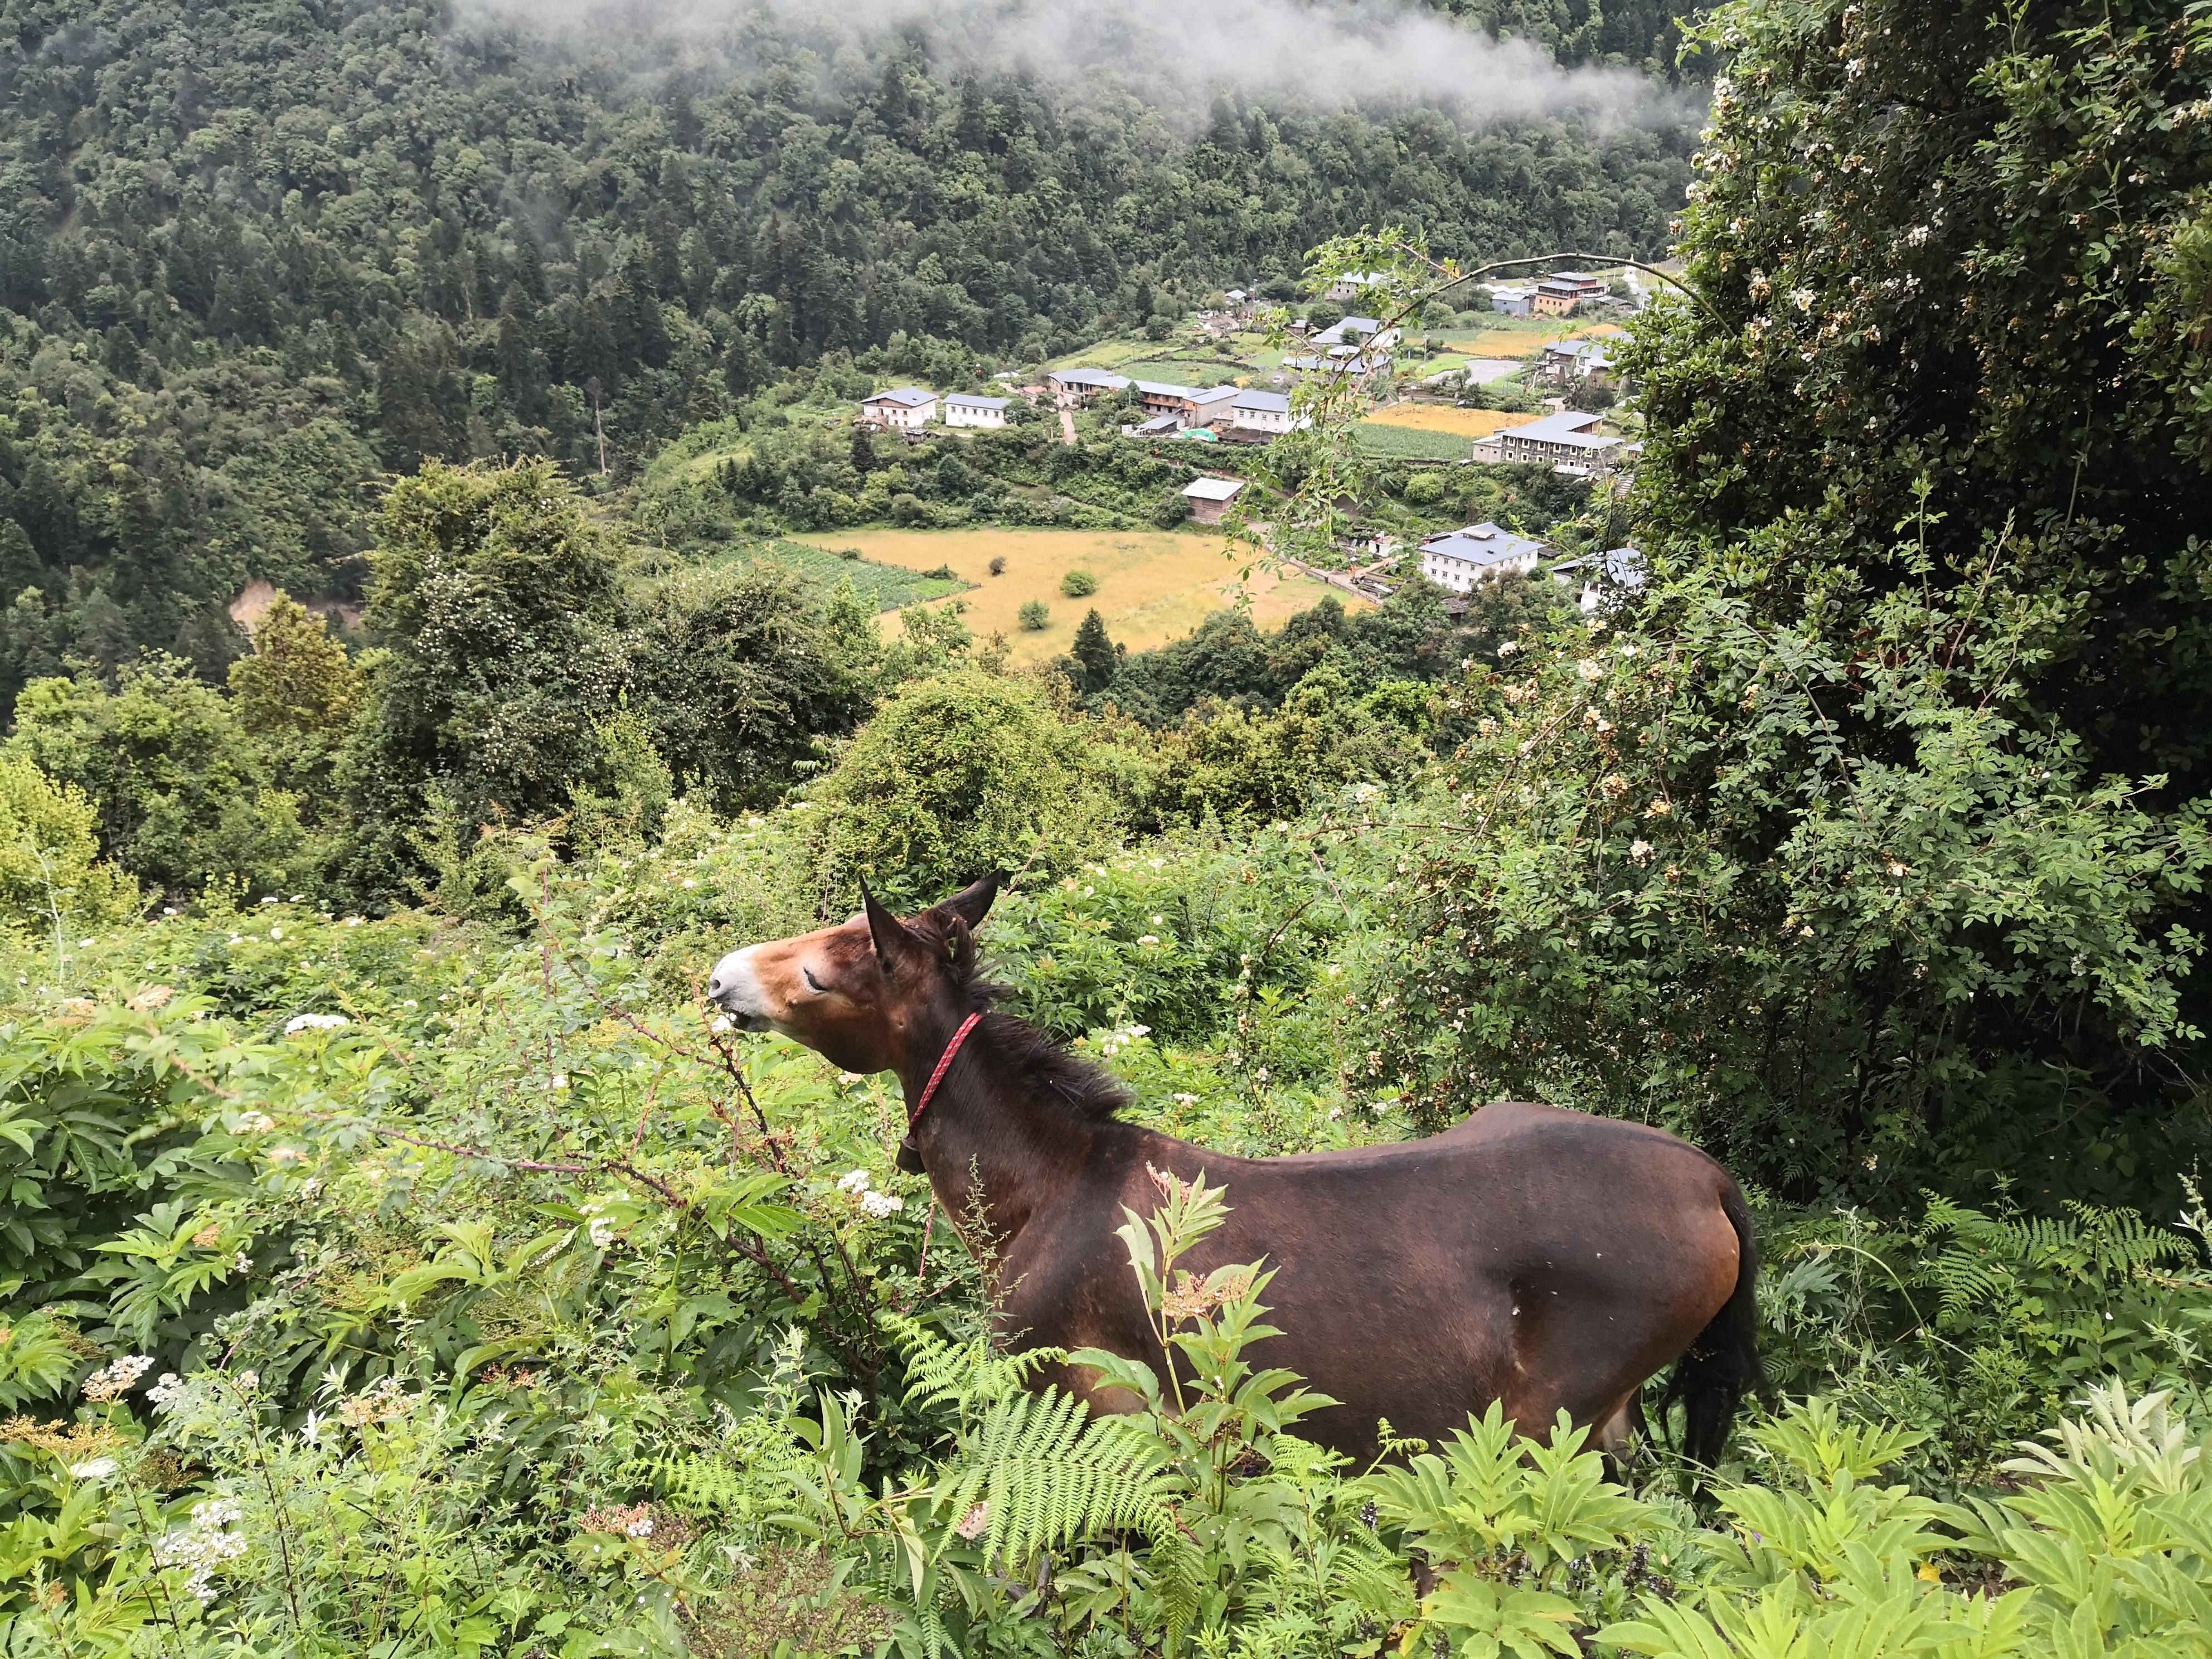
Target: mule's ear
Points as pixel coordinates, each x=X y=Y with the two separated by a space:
x=973 y=902
x=895 y=943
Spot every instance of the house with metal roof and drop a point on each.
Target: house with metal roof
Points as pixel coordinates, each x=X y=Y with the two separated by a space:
x=1566 y=361
x=1209 y=498
x=1084 y=384
x=965 y=409
x=1568 y=442
x=904 y=408
x=1459 y=559
x=1369 y=330
x=1264 y=411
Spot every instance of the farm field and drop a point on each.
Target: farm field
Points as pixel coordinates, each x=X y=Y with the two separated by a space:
x=1442 y=417
x=1411 y=443
x=1515 y=339
x=1153 y=585
x=884 y=587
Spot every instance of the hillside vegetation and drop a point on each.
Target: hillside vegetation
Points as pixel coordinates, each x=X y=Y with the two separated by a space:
x=398 y=1255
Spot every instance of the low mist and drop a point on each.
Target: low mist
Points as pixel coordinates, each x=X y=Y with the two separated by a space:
x=1174 y=55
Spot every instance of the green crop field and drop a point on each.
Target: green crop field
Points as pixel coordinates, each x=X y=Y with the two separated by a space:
x=886 y=586
x=1408 y=443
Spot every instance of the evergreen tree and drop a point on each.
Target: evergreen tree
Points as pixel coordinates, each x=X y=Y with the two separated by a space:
x=1095 y=656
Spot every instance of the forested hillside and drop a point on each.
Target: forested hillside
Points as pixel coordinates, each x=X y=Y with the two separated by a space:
x=251 y=257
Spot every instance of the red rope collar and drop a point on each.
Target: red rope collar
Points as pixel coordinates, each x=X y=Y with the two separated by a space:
x=944 y=1065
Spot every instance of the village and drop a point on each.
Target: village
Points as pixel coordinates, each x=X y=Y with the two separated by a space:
x=1555 y=402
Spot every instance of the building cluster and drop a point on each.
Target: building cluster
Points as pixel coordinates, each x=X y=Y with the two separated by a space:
x=1550 y=296
x=1220 y=411
x=911 y=408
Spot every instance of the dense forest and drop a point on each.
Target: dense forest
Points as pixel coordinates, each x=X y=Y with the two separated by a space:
x=401 y=1255
x=251 y=258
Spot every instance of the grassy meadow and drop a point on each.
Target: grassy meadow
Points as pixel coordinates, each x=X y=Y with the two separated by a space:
x=1153 y=585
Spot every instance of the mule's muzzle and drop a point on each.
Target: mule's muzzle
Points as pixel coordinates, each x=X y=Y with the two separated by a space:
x=735 y=988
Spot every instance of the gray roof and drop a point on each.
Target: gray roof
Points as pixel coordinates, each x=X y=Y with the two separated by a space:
x=1097 y=377
x=970 y=400
x=1275 y=403
x=906 y=397
x=1334 y=334
x=1482 y=544
x=1158 y=424
x=1212 y=489
x=1569 y=427
x=1213 y=394
x=1168 y=389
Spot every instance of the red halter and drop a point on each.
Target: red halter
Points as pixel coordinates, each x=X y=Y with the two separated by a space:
x=944 y=1065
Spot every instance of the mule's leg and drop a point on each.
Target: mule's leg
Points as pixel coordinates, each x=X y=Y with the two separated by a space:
x=1621 y=1437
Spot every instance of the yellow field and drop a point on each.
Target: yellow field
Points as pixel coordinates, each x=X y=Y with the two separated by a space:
x=1443 y=417
x=1526 y=340
x=1153 y=585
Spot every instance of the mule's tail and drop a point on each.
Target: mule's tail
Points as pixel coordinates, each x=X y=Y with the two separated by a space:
x=1722 y=1364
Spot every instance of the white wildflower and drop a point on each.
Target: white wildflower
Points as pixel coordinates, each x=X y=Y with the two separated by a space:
x=96 y=1468
x=720 y=1025
x=1641 y=852
x=287 y=1155
x=1802 y=298
x=168 y=1392
x=560 y=1078
x=1148 y=938
x=1185 y=1100
x=300 y=1023
x=856 y=1181
x=1590 y=669
x=255 y=1123
x=879 y=1205
x=117 y=1377
x=205 y=1545
x=971 y=1524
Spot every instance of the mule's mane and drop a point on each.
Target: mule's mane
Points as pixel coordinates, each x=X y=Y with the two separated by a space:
x=1074 y=1086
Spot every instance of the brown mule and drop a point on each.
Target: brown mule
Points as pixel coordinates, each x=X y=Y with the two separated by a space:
x=1542 y=1257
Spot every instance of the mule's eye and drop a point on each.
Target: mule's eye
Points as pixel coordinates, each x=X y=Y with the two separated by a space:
x=813 y=984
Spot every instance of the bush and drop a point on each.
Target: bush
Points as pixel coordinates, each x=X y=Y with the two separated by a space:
x=50 y=876
x=956 y=776
x=1035 y=615
x=1078 y=584
x=999 y=565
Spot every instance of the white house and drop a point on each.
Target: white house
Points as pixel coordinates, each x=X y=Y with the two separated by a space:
x=965 y=409
x=1371 y=333
x=1568 y=361
x=1460 y=559
x=1209 y=498
x=1565 y=442
x=1213 y=406
x=1513 y=299
x=1264 y=411
x=1344 y=288
x=904 y=408
x=1608 y=578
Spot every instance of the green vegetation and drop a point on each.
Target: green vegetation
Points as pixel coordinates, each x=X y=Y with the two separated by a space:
x=398 y=1257
x=1078 y=584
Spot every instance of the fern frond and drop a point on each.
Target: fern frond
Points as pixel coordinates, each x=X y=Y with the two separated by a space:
x=1047 y=1475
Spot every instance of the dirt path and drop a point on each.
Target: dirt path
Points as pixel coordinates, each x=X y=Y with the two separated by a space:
x=1067 y=428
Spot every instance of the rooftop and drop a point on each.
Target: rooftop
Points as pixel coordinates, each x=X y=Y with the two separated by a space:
x=1098 y=377
x=906 y=397
x=1569 y=427
x=1275 y=403
x=1212 y=489
x=970 y=400
x=1622 y=567
x=1483 y=544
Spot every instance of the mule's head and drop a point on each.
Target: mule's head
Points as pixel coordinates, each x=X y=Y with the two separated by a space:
x=863 y=992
